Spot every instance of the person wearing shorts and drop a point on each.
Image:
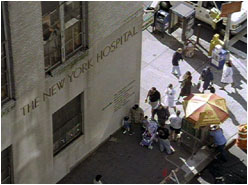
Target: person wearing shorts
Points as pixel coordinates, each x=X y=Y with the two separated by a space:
x=175 y=125
x=154 y=98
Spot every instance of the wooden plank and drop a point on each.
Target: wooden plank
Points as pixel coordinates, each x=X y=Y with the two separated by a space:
x=228 y=8
x=244 y=39
x=237 y=52
x=237 y=37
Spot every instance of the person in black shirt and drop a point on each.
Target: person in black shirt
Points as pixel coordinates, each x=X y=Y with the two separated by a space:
x=175 y=62
x=162 y=113
x=154 y=98
x=164 y=143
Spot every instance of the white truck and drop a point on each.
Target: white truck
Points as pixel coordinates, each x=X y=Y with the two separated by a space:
x=209 y=12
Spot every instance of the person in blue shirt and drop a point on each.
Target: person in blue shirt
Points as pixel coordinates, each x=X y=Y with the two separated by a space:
x=219 y=140
x=207 y=77
x=175 y=62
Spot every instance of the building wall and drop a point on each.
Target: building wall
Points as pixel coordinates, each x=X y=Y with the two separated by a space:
x=108 y=76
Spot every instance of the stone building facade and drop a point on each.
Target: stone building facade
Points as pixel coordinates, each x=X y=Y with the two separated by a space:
x=71 y=72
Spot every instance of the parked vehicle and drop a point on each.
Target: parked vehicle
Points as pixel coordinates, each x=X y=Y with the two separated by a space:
x=149 y=11
x=209 y=12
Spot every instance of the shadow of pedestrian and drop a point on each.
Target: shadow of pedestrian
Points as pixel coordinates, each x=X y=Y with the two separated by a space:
x=233 y=118
x=197 y=62
x=200 y=60
x=236 y=96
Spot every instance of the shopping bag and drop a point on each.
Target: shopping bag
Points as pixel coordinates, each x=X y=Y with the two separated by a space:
x=211 y=88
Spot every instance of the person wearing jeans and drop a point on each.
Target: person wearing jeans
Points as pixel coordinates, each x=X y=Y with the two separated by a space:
x=164 y=143
x=219 y=140
x=175 y=62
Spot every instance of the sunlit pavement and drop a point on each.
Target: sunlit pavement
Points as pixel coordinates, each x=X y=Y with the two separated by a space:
x=121 y=159
x=156 y=71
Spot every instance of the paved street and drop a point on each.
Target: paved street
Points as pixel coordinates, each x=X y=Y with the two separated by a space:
x=121 y=159
x=156 y=71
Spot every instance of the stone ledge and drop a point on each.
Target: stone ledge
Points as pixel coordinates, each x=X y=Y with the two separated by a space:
x=7 y=107
x=68 y=64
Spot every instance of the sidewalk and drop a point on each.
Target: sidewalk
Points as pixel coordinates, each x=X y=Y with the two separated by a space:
x=156 y=71
x=121 y=160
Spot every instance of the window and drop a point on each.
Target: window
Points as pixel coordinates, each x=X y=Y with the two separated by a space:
x=64 y=31
x=67 y=124
x=6 y=86
x=6 y=166
x=208 y=4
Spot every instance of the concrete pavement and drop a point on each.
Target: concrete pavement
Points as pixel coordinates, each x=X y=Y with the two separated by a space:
x=156 y=71
x=121 y=160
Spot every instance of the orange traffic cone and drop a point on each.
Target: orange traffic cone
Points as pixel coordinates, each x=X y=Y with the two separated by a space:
x=242 y=137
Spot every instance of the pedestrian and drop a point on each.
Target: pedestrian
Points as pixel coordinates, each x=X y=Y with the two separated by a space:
x=170 y=97
x=219 y=140
x=175 y=125
x=163 y=137
x=127 y=126
x=150 y=134
x=162 y=114
x=145 y=123
x=97 y=179
x=175 y=62
x=186 y=85
x=207 y=77
x=136 y=114
x=155 y=20
x=154 y=98
x=227 y=75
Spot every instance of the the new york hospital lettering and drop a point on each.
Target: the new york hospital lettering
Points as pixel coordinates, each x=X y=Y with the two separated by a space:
x=75 y=73
x=116 y=43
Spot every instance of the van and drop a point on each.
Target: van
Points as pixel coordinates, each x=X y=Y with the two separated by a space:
x=209 y=12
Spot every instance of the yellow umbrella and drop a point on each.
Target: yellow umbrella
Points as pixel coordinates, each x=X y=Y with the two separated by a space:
x=205 y=109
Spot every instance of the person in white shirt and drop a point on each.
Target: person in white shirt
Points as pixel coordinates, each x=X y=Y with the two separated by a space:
x=170 y=97
x=175 y=125
x=227 y=75
x=97 y=180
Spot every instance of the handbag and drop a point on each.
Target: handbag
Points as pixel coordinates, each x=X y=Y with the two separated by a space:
x=211 y=88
